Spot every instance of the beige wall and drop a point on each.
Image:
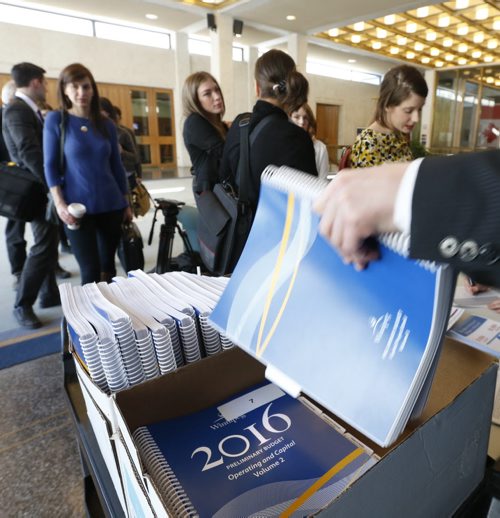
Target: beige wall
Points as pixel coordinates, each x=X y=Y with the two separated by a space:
x=123 y=63
x=356 y=101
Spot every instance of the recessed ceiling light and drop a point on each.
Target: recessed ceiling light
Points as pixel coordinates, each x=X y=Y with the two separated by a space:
x=482 y=13
x=401 y=40
x=381 y=33
x=151 y=16
x=390 y=19
x=430 y=36
x=422 y=12
x=355 y=38
x=359 y=26
x=492 y=44
x=449 y=57
x=447 y=42
x=476 y=54
x=462 y=61
x=434 y=51
x=291 y=17
x=419 y=46
x=488 y=59
x=351 y=61
x=444 y=21
x=333 y=33
x=461 y=4
x=463 y=47
x=439 y=64
x=496 y=25
x=463 y=29
x=376 y=45
x=410 y=54
x=478 y=37
x=394 y=50
x=411 y=27
x=425 y=59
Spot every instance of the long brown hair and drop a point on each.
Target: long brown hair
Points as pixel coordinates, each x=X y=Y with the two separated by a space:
x=191 y=102
x=278 y=78
x=398 y=84
x=78 y=72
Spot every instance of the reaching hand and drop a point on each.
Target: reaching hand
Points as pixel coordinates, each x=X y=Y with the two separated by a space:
x=356 y=205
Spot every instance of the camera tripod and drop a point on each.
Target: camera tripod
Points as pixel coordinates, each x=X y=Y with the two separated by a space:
x=170 y=209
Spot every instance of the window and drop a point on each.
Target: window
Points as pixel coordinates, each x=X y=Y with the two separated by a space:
x=110 y=31
x=45 y=20
x=324 y=68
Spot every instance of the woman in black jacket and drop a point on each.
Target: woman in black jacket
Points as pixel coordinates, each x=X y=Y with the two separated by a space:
x=204 y=130
x=279 y=142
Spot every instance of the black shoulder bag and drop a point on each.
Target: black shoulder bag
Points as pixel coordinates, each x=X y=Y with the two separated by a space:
x=51 y=215
x=225 y=216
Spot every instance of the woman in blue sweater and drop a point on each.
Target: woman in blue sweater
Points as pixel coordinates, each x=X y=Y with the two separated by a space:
x=92 y=174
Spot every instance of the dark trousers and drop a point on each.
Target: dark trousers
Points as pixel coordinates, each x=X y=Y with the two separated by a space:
x=16 y=245
x=38 y=274
x=94 y=245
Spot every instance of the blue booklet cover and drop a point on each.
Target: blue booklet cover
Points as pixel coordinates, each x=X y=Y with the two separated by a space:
x=360 y=343
x=260 y=453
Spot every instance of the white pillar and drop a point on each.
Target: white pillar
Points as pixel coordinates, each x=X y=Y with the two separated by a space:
x=221 y=65
x=253 y=55
x=182 y=70
x=427 y=110
x=297 y=48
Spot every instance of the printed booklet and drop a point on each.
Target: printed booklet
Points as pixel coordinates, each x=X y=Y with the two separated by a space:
x=260 y=453
x=360 y=343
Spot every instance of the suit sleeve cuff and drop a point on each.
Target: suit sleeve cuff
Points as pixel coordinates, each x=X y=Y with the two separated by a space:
x=404 y=197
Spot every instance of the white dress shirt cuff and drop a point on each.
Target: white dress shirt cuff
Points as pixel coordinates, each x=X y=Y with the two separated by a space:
x=404 y=198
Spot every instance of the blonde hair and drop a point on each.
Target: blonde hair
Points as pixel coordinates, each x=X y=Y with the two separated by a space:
x=191 y=102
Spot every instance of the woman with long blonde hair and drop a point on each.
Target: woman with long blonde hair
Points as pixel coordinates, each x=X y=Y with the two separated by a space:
x=204 y=130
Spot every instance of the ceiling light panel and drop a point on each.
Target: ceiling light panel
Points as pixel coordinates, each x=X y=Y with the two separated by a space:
x=439 y=35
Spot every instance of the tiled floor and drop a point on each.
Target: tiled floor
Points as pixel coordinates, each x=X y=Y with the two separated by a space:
x=40 y=470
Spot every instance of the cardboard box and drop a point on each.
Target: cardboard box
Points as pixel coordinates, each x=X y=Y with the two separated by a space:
x=103 y=432
x=101 y=399
x=432 y=468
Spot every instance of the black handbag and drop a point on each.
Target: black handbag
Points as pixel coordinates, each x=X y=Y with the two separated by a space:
x=130 y=248
x=22 y=194
x=225 y=215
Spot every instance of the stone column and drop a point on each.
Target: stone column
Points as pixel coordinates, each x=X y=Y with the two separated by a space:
x=182 y=70
x=297 y=48
x=221 y=65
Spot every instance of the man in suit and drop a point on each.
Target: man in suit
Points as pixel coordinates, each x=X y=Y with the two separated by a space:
x=14 y=230
x=449 y=205
x=22 y=128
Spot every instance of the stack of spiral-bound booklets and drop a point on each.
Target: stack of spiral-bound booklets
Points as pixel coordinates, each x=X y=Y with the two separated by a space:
x=260 y=453
x=363 y=344
x=137 y=328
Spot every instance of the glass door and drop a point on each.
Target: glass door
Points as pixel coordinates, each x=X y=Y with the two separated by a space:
x=153 y=123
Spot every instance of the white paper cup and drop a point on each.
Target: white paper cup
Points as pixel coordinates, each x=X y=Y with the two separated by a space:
x=77 y=210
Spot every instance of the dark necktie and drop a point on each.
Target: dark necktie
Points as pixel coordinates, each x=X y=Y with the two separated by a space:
x=40 y=116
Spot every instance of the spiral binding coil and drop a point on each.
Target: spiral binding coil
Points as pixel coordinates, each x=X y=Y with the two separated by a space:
x=287 y=179
x=171 y=490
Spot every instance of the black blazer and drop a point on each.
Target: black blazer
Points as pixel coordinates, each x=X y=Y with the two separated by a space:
x=204 y=145
x=456 y=213
x=4 y=154
x=22 y=132
x=281 y=142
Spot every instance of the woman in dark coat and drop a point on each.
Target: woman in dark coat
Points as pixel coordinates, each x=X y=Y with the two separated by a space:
x=204 y=130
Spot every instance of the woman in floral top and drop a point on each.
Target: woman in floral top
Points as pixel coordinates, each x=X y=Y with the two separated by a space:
x=402 y=96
